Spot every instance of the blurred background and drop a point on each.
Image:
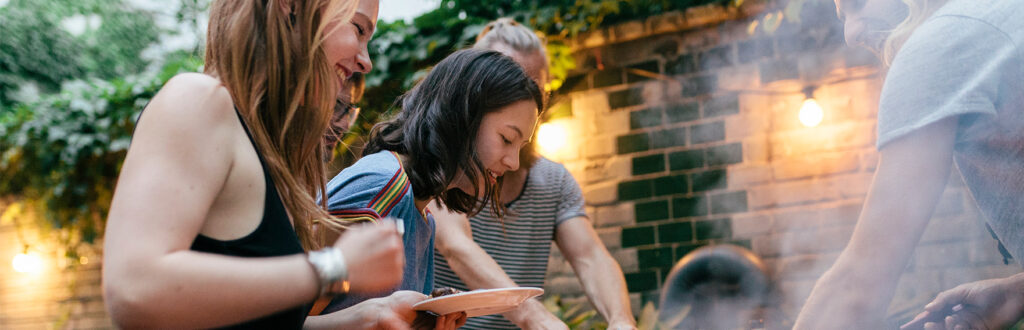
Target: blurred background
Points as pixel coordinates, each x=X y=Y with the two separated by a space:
x=688 y=123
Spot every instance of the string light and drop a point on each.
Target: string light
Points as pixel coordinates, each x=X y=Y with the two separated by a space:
x=811 y=113
x=27 y=262
x=552 y=137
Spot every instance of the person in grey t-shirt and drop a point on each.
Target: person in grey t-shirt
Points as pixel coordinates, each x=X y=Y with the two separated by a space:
x=546 y=205
x=954 y=92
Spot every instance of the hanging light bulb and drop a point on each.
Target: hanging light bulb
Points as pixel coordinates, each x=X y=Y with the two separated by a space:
x=811 y=113
x=27 y=262
x=552 y=137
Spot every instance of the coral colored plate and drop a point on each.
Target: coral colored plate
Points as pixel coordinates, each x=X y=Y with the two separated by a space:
x=479 y=302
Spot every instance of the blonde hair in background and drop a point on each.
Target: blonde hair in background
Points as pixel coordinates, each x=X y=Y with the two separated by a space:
x=273 y=64
x=510 y=33
x=918 y=11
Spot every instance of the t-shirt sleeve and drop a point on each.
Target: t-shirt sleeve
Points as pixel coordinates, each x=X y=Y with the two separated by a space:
x=349 y=195
x=950 y=66
x=570 y=204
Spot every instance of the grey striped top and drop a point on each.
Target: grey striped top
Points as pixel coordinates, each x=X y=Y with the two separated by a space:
x=550 y=197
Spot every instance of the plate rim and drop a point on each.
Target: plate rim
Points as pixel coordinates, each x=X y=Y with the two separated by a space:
x=538 y=291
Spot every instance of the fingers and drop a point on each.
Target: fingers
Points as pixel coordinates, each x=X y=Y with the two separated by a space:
x=461 y=320
x=401 y=303
x=374 y=256
x=972 y=320
x=948 y=298
x=919 y=321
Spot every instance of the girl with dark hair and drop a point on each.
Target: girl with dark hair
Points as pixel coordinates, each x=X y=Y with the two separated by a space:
x=423 y=154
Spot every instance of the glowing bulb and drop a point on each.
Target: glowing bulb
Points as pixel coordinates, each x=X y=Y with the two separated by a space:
x=27 y=263
x=552 y=137
x=811 y=113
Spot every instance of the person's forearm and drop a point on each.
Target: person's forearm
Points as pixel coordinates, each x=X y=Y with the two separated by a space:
x=911 y=175
x=188 y=289
x=479 y=271
x=605 y=285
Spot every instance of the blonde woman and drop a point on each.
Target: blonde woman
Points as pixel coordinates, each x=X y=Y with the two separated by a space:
x=215 y=202
x=954 y=92
x=546 y=205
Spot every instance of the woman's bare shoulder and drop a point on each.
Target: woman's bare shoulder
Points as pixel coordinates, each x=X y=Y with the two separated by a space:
x=192 y=101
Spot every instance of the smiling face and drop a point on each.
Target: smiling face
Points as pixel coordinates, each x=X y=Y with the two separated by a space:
x=868 y=23
x=346 y=42
x=500 y=136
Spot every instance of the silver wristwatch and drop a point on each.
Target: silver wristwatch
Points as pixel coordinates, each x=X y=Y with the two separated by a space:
x=330 y=267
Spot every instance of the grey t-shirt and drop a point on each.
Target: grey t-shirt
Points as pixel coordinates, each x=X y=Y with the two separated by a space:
x=521 y=243
x=967 y=61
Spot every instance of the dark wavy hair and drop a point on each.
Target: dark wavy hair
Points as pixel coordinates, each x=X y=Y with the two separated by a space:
x=439 y=120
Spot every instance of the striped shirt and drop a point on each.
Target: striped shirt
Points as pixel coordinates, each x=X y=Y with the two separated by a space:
x=522 y=246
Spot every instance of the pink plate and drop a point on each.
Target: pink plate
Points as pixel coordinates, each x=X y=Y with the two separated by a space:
x=479 y=302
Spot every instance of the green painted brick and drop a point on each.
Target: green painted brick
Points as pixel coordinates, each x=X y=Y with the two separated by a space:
x=723 y=105
x=713 y=229
x=649 y=164
x=632 y=143
x=676 y=232
x=683 y=112
x=660 y=257
x=684 y=64
x=670 y=185
x=686 y=160
x=642 y=281
x=715 y=58
x=630 y=190
x=725 y=155
x=626 y=98
x=645 y=118
x=709 y=180
x=673 y=137
x=699 y=85
x=637 y=236
x=651 y=211
x=709 y=132
x=683 y=207
x=733 y=202
x=607 y=77
x=683 y=249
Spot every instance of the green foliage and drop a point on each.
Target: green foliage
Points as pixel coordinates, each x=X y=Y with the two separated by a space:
x=61 y=155
x=35 y=49
x=402 y=52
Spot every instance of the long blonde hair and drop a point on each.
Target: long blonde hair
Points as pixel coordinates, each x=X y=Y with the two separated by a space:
x=918 y=11
x=273 y=64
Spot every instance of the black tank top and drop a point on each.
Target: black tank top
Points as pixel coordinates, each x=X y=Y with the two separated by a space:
x=273 y=237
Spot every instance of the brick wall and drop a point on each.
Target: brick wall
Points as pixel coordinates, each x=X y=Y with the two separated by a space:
x=685 y=133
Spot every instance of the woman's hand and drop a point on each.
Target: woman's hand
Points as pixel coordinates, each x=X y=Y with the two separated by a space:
x=989 y=304
x=374 y=257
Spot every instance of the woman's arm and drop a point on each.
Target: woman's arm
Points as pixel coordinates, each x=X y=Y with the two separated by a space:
x=600 y=274
x=478 y=270
x=911 y=175
x=180 y=157
x=181 y=154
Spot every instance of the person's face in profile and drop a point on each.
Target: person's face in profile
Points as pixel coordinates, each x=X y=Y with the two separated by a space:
x=346 y=42
x=867 y=23
x=501 y=135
